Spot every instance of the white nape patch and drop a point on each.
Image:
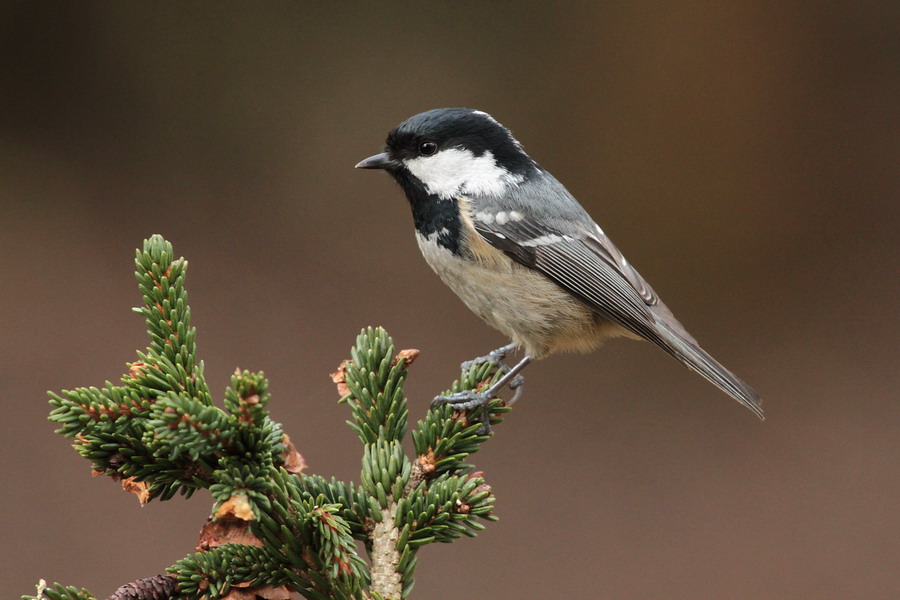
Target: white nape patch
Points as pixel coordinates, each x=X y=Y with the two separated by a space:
x=508 y=132
x=546 y=240
x=485 y=115
x=456 y=171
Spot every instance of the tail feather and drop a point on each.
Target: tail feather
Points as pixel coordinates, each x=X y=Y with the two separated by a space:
x=698 y=360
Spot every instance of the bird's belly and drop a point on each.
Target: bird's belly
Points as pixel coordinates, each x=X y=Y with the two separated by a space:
x=534 y=312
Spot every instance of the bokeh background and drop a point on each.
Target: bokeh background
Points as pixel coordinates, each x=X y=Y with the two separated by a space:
x=743 y=155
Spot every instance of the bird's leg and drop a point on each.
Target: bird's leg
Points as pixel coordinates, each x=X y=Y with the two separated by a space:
x=496 y=357
x=469 y=399
x=511 y=377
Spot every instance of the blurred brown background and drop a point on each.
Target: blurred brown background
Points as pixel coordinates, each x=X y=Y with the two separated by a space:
x=743 y=155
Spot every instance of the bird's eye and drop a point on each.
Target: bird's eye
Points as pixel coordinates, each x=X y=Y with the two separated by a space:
x=427 y=148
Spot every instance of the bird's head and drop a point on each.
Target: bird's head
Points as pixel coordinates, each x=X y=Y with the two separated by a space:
x=451 y=152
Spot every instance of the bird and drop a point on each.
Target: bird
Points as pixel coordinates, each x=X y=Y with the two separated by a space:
x=522 y=253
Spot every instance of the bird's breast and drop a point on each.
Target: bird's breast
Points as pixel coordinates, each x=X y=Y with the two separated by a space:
x=534 y=312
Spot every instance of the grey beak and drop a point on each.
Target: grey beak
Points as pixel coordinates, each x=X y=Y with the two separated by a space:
x=378 y=161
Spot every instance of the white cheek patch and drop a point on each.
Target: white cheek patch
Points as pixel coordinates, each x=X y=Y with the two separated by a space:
x=455 y=172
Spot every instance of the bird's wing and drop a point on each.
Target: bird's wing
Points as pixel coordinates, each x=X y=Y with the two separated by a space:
x=580 y=258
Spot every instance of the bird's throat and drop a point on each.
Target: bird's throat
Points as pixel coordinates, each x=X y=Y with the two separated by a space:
x=436 y=219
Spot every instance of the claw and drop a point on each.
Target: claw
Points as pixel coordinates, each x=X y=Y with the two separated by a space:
x=467 y=400
x=494 y=356
x=464 y=400
x=516 y=384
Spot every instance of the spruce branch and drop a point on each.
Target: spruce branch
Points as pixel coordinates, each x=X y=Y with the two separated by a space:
x=275 y=532
x=58 y=592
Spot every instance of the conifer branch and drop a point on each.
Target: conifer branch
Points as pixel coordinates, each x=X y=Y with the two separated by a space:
x=387 y=577
x=275 y=532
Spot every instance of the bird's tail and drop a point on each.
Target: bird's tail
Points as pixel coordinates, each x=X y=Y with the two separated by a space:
x=697 y=359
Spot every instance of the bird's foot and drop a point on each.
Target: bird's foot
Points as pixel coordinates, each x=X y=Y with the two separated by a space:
x=464 y=400
x=494 y=356
x=468 y=400
x=516 y=384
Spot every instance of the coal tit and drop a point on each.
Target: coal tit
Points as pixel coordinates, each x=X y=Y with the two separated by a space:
x=522 y=253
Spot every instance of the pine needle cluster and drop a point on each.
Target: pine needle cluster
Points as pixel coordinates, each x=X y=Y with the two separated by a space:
x=274 y=531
